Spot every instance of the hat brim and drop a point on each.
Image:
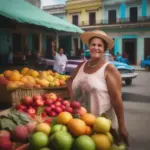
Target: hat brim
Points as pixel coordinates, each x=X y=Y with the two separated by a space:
x=86 y=36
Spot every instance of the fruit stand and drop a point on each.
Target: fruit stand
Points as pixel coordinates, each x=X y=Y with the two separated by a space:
x=41 y=118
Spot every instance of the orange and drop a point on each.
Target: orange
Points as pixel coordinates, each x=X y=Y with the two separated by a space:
x=88 y=130
x=77 y=127
x=89 y=119
x=64 y=118
x=7 y=73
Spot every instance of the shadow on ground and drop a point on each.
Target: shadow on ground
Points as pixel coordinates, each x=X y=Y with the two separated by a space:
x=132 y=97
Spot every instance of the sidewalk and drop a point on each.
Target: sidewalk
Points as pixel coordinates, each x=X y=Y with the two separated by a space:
x=138 y=68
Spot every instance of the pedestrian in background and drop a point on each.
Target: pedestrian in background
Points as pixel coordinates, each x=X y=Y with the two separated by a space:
x=60 y=60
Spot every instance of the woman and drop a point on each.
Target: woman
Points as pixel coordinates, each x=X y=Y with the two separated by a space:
x=97 y=84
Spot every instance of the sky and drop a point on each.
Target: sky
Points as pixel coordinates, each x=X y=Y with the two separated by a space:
x=52 y=2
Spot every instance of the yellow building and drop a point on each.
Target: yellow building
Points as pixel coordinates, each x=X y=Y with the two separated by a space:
x=86 y=14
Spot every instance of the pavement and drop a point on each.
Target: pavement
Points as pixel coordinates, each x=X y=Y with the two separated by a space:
x=137 y=122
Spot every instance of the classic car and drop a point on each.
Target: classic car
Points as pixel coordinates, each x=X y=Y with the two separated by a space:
x=146 y=63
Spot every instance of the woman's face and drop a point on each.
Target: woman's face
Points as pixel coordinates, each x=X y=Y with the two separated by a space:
x=96 y=48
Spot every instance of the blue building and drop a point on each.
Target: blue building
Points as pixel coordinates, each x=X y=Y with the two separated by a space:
x=128 y=23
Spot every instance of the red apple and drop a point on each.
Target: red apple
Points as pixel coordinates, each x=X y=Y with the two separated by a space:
x=43 y=114
x=48 y=120
x=69 y=109
x=35 y=97
x=66 y=103
x=31 y=111
x=39 y=102
x=27 y=100
x=58 y=104
x=82 y=111
x=18 y=106
x=75 y=104
x=47 y=109
x=23 y=107
x=3 y=80
x=59 y=99
x=63 y=107
x=58 y=110
x=45 y=96
x=52 y=106
x=49 y=102
x=52 y=113
x=20 y=110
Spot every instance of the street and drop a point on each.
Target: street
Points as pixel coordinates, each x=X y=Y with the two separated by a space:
x=137 y=111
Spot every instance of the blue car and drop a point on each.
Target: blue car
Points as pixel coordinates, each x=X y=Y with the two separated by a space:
x=146 y=63
x=127 y=72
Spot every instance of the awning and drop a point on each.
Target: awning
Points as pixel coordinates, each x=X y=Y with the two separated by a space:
x=24 y=12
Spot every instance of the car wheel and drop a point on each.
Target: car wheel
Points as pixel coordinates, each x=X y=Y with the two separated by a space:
x=128 y=81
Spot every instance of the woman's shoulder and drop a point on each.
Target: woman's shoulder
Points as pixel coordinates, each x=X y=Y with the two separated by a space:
x=111 y=69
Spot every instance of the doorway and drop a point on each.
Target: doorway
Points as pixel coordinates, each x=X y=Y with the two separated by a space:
x=35 y=42
x=133 y=14
x=111 y=16
x=17 y=42
x=146 y=47
x=130 y=48
x=92 y=18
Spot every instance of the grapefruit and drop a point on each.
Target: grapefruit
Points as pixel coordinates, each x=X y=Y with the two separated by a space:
x=39 y=140
x=101 y=141
x=64 y=118
x=84 y=142
x=101 y=125
x=61 y=140
x=89 y=119
x=77 y=127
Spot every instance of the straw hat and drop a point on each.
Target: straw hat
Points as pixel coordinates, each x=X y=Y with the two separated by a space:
x=86 y=36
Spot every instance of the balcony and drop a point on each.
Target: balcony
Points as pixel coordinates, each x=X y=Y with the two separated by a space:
x=118 y=22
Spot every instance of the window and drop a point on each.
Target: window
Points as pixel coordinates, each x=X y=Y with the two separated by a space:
x=92 y=18
x=75 y=19
x=133 y=14
x=111 y=16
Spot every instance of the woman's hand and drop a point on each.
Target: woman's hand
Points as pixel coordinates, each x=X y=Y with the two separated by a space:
x=124 y=135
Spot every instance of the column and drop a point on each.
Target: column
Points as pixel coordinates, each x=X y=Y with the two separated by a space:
x=144 y=7
x=116 y=46
x=41 y=43
x=140 y=49
x=57 y=40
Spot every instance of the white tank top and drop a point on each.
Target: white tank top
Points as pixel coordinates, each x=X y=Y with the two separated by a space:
x=91 y=90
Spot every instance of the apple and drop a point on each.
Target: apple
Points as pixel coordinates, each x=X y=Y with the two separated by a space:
x=45 y=96
x=58 y=104
x=31 y=111
x=52 y=113
x=63 y=107
x=27 y=100
x=58 y=110
x=59 y=99
x=47 y=109
x=35 y=97
x=20 y=110
x=39 y=102
x=66 y=103
x=48 y=102
x=53 y=96
x=52 y=106
x=43 y=114
x=48 y=120
x=69 y=109
x=82 y=111
x=21 y=107
x=75 y=104
x=18 y=106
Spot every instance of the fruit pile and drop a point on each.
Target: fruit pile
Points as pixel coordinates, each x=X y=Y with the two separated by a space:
x=68 y=133
x=29 y=78
x=48 y=104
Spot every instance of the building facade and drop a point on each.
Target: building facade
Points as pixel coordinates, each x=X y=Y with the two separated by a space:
x=128 y=23
x=87 y=15
x=36 y=3
x=56 y=10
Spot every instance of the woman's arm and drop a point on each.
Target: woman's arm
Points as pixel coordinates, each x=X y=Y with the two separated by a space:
x=114 y=84
x=72 y=78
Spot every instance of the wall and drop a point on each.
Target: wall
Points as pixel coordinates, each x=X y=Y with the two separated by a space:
x=62 y=16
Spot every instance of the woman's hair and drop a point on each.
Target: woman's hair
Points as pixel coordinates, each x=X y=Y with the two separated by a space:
x=104 y=42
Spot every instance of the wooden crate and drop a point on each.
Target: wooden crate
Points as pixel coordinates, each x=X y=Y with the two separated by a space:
x=14 y=97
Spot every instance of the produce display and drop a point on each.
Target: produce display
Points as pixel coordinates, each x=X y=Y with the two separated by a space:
x=29 y=78
x=48 y=122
